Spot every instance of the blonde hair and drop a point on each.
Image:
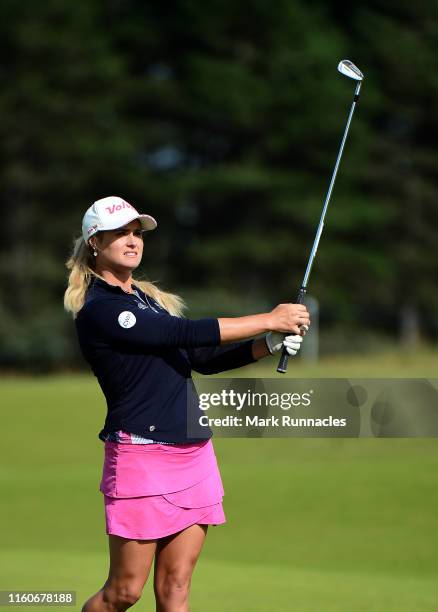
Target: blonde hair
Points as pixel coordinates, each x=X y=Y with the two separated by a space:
x=81 y=265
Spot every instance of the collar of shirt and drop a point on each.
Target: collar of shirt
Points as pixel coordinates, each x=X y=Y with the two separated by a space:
x=99 y=285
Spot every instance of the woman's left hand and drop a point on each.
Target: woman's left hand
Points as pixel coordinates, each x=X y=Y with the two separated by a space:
x=275 y=342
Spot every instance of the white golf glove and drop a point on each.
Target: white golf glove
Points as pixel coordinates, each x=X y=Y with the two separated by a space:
x=275 y=342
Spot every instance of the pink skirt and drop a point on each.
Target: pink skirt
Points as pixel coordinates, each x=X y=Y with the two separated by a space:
x=154 y=490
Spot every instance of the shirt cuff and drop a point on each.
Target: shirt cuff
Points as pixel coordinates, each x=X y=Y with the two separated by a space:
x=208 y=332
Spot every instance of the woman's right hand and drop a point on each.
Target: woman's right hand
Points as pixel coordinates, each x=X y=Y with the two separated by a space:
x=286 y=318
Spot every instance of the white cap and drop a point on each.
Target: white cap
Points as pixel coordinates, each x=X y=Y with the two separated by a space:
x=111 y=213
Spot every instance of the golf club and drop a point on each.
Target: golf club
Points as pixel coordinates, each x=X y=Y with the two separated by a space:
x=348 y=69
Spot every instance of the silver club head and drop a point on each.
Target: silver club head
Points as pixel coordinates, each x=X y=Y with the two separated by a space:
x=350 y=70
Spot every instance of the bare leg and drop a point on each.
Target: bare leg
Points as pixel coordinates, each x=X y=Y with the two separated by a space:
x=130 y=564
x=175 y=561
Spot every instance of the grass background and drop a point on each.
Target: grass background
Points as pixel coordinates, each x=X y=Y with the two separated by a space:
x=313 y=524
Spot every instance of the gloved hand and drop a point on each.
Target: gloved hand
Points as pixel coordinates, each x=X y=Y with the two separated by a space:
x=275 y=341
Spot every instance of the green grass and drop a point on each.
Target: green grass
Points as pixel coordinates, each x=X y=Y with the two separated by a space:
x=389 y=364
x=313 y=524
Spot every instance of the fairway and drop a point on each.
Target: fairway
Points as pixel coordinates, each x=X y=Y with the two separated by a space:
x=313 y=524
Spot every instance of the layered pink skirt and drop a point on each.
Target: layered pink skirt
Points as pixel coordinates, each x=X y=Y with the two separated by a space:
x=154 y=490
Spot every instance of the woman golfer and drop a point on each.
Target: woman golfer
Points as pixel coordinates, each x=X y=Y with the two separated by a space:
x=161 y=488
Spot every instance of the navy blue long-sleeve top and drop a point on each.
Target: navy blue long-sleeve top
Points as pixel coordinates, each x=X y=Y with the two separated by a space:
x=143 y=357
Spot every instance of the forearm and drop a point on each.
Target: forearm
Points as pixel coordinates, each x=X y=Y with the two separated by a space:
x=229 y=356
x=241 y=328
x=284 y=318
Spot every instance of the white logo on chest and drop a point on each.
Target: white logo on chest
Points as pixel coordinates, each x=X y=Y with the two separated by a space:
x=127 y=319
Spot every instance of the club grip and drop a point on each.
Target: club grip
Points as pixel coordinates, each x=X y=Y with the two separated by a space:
x=282 y=364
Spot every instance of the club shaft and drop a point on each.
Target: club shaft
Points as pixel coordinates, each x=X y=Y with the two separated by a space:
x=330 y=189
x=282 y=365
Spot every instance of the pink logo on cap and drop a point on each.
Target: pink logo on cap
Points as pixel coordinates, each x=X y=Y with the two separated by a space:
x=116 y=207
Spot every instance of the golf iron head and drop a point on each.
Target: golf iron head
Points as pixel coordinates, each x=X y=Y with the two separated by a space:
x=350 y=70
